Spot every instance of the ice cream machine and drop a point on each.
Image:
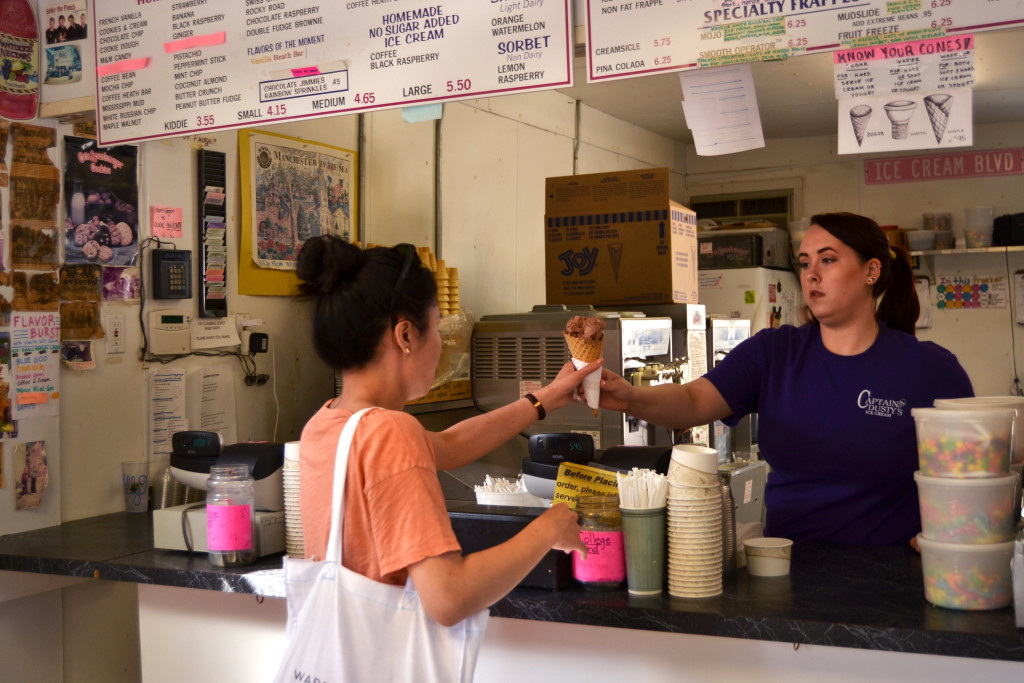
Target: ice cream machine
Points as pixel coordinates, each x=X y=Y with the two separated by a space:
x=516 y=353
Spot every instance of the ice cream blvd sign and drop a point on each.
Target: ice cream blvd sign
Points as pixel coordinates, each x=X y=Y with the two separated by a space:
x=989 y=162
x=580 y=480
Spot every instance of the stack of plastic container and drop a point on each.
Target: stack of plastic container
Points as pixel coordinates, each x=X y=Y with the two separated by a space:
x=967 y=495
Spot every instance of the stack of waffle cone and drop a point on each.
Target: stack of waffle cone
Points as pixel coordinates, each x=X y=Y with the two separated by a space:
x=584 y=351
x=446 y=279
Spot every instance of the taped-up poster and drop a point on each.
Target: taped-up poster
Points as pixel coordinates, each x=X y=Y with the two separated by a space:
x=35 y=364
x=32 y=474
x=35 y=290
x=80 y=282
x=101 y=192
x=8 y=428
x=5 y=129
x=35 y=190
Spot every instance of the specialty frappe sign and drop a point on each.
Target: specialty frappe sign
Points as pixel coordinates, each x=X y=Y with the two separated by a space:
x=637 y=37
x=175 y=67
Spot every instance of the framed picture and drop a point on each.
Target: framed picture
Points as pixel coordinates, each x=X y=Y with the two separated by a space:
x=292 y=189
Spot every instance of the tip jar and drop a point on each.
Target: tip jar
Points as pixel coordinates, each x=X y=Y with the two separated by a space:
x=230 y=516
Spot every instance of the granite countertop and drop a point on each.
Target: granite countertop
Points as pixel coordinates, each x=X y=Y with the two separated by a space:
x=867 y=598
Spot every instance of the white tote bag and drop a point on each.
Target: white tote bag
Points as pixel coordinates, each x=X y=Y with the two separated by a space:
x=343 y=626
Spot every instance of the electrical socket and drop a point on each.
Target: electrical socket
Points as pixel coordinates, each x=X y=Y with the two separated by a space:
x=115 y=333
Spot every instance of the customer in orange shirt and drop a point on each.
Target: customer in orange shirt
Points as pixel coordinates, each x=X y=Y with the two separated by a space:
x=375 y=318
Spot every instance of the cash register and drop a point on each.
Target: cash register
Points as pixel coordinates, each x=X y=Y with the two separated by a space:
x=193 y=453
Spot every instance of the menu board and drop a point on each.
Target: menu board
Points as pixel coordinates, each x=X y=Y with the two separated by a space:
x=176 y=67
x=627 y=38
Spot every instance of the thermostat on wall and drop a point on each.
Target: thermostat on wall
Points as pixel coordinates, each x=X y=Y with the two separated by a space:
x=169 y=332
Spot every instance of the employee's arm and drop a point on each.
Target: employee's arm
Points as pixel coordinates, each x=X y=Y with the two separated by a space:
x=475 y=437
x=679 y=406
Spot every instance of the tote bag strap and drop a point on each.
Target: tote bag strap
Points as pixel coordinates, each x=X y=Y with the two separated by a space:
x=338 y=495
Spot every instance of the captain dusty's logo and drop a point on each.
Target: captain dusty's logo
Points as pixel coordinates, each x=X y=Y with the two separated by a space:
x=263 y=158
x=882 y=407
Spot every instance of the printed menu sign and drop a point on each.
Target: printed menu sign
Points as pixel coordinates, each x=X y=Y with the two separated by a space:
x=169 y=67
x=628 y=38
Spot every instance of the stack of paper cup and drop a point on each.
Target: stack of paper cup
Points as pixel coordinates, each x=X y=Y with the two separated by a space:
x=694 y=523
x=293 y=540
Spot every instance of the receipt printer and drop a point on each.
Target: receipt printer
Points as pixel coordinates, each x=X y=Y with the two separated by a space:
x=194 y=453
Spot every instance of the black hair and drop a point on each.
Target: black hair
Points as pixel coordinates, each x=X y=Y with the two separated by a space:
x=899 y=307
x=359 y=295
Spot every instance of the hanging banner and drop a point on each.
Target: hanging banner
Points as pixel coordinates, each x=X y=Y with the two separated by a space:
x=986 y=162
x=640 y=37
x=230 y=64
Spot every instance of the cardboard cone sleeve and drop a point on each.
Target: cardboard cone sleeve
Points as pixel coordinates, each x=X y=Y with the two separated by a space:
x=585 y=337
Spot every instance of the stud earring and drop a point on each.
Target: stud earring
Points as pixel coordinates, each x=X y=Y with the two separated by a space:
x=407 y=350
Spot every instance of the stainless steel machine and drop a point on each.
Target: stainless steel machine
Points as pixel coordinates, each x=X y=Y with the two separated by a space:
x=516 y=353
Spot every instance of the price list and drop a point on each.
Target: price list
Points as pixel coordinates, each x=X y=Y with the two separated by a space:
x=628 y=38
x=179 y=67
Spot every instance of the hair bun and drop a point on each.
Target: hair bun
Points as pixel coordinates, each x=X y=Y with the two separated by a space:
x=327 y=262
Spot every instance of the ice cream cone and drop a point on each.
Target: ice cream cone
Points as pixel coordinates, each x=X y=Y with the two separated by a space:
x=591 y=384
x=938 y=107
x=585 y=350
x=859 y=116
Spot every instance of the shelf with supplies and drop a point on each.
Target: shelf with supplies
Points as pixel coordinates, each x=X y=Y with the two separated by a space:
x=968 y=250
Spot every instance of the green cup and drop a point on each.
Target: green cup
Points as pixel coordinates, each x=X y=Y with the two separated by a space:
x=644 y=537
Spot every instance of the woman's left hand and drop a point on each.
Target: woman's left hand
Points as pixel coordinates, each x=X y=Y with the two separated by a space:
x=565 y=384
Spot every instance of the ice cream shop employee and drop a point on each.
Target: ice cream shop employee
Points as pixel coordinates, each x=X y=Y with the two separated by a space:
x=833 y=396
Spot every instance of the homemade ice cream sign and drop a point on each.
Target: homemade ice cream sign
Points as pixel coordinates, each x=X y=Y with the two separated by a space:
x=627 y=38
x=175 y=68
x=912 y=95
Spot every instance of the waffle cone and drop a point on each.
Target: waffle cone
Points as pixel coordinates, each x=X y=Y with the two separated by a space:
x=582 y=349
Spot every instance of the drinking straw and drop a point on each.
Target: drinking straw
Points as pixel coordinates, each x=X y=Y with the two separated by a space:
x=642 y=489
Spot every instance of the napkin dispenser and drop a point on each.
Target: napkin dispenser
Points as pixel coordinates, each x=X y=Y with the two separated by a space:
x=191 y=463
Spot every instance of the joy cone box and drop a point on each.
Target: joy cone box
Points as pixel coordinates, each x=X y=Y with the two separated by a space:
x=617 y=239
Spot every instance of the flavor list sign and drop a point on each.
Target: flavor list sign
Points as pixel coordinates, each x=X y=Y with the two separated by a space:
x=627 y=38
x=35 y=364
x=224 y=65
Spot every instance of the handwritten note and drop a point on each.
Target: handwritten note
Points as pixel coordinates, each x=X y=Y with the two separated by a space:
x=165 y=221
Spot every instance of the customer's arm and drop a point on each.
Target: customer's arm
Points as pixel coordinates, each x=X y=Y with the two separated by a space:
x=471 y=439
x=452 y=587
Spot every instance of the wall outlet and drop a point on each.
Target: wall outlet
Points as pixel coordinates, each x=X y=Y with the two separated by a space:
x=115 y=333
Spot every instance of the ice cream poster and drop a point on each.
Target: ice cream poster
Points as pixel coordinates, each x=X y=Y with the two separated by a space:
x=35 y=364
x=916 y=95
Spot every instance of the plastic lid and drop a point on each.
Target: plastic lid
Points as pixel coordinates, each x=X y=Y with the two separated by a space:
x=966 y=482
x=962 y=413
x=1006 y=546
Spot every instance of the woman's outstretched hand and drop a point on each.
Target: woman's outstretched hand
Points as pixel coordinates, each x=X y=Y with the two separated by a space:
x=563 y=387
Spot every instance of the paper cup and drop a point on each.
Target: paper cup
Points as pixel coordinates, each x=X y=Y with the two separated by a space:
x=694 y=456
x=591 y=383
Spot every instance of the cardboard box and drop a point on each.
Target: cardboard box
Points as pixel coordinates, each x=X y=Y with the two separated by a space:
x=617 y=239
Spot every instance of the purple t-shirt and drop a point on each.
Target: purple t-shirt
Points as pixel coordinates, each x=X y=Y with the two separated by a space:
x=837 y=430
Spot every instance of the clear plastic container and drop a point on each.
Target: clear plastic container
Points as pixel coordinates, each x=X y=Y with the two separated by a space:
x=967 y=510
x=967 y=577
x=230 y=516
x=921 y=240
x=1015 y=403
x=963 y=443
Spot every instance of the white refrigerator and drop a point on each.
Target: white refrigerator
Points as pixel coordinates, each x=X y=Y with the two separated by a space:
x=767 y=297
